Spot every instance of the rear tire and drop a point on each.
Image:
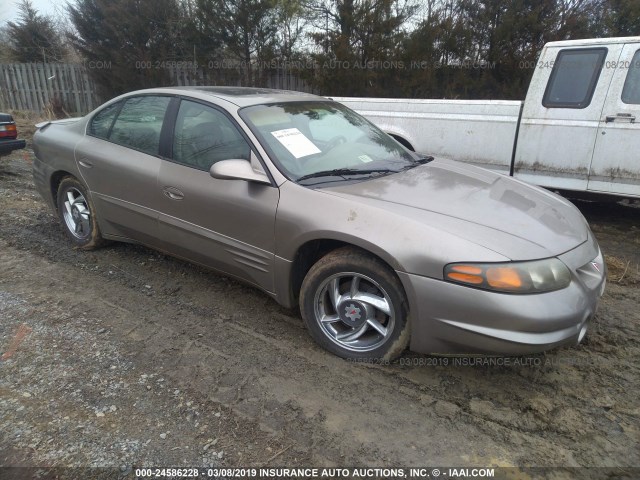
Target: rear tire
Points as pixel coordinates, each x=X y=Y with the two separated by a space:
x=77 y=214
x=354 y=306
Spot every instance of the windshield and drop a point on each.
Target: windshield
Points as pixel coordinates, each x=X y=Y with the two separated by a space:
x=307 y=139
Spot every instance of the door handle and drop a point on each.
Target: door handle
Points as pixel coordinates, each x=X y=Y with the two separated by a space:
x=85 y=163
x=173 y=193
x=621 y=116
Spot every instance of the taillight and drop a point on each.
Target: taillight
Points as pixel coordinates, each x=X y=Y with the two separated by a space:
x=8 y=131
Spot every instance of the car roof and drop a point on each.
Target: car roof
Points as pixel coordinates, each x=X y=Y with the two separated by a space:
x=240 y=96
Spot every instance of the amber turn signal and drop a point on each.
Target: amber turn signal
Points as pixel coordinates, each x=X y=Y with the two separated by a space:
x=466 y=274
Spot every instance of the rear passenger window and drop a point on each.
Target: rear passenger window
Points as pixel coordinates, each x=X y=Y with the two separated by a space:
x=631 y=90
x=102 y=121
x=139 y=123
x=204 y=136
x=574 y=78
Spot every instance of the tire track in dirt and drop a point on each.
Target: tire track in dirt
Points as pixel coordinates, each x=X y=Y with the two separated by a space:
x=235 y=348
x=318 y=403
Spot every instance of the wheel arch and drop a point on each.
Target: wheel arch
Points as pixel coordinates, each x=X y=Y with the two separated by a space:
x=308 y=253
x=54 y=183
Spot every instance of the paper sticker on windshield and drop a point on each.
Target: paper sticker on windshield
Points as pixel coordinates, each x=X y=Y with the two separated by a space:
x=365 y=158
x=294 y=140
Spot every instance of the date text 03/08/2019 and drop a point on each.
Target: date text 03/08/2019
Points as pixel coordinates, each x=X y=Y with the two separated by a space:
x=324 y=473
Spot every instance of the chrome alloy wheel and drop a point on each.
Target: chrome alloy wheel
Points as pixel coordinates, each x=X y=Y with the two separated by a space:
x=354 y=311
x=76 y=214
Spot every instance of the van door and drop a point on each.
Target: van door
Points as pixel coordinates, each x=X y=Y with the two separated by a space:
x=562 y=113
x=615 y=167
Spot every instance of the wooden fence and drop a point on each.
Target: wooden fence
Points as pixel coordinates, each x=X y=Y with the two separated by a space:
x=38 y=87
x=35 y=86
x=278 y=79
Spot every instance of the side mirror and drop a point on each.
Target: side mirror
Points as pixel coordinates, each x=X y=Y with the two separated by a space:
x=238 y=169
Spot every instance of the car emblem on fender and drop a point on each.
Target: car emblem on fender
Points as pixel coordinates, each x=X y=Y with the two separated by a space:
x=352 y=313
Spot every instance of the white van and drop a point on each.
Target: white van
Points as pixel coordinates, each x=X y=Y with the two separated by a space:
x=578 y=129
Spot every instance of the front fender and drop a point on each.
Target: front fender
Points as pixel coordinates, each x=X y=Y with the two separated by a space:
x=406 y=244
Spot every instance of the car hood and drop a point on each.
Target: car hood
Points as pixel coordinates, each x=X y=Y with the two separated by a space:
x=507 y=216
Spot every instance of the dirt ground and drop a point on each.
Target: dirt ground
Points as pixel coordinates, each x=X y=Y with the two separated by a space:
x=126 y=357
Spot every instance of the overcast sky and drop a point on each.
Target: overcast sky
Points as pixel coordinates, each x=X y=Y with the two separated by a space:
x=9 y=8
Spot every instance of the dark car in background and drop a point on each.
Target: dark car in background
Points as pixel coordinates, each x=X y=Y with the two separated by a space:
x=9 y=135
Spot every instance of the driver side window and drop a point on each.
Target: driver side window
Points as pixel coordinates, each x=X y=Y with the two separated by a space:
x=204 y=136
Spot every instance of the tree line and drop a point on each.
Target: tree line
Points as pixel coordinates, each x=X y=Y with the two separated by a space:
x=394 y=48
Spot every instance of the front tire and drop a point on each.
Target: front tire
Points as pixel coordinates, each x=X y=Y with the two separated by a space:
x=354 y=306
x=77 y=214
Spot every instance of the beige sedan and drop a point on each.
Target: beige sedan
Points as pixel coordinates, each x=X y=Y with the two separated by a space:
x=381 y=248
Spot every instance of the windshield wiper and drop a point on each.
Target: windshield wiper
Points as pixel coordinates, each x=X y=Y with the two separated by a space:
x=339 y=172
x=422 y=160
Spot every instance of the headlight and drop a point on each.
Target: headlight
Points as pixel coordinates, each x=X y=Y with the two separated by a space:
x=514 y=277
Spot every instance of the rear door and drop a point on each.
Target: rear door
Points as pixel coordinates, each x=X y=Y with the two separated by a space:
x=228 y=225
x=119 y=161
x=562 y=113
x=616 y=159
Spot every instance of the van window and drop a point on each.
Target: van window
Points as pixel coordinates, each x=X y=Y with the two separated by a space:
x=631 y=90
x=574 y=78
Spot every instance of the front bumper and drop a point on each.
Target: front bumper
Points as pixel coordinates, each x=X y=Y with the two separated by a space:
x=454 y=319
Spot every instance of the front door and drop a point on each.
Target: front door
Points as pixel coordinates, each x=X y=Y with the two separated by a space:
x=225 y=224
